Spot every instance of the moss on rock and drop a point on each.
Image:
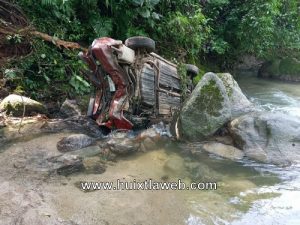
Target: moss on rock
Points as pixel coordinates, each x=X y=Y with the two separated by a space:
x=227 y=81
x=211 y=99
x=206 y=110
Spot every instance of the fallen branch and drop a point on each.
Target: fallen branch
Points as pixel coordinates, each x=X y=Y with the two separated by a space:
x=14 y=22
x=32 y=33
x=58 y=42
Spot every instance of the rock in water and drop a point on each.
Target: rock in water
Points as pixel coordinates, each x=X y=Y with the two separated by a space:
x=74 y=142
x=149 y=133
x=94 y=165
x=86 y=152
x=225 y=151
x=207 y=109
x=239 y=103
x=268 y=137
x=123 y=145
x=149 y=144
x=65 y=164
x=14 y=104
x=202 y=172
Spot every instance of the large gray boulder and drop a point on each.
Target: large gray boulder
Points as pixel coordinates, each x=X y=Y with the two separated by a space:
x=207 y=109
x=239 y=103
x=268 y=137
x=14 y=105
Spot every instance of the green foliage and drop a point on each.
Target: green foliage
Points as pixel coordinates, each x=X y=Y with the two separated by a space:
x=14 y=39
x=290 y=66
x=186 y=31
x=260 y=21
x=81 y=86
x=187 y=34
x=182 y=72
x=262 y=28
x=48 y=73
x=211 y=98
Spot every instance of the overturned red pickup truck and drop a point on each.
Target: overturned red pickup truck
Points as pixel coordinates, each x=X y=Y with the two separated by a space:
x=133 y=85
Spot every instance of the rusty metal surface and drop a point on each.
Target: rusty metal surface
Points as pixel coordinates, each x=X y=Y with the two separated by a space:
x=148 y=85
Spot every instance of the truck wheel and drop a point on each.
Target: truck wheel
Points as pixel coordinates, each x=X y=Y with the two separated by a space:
x=192 y=70
x=140 y=42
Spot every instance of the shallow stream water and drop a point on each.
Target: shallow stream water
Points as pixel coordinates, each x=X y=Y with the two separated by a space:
x=271 y=94
x=247 y=192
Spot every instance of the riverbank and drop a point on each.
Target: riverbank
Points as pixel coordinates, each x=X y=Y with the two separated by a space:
x=247 y=191
x=59 y=200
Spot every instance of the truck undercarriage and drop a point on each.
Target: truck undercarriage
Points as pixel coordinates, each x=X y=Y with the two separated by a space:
x=132 y=84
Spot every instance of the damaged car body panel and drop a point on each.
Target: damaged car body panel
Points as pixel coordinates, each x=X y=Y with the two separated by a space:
x=130 y=80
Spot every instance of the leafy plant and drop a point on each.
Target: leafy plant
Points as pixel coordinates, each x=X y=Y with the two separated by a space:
x=213 y=32
x=81 y=86
x=186 y=33
x=182 y=72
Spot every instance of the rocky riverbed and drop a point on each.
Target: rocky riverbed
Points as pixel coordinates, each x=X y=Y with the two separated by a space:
x=44 y=160
x=31 y=195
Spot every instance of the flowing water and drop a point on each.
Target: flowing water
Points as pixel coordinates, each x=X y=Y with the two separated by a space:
x=271 y=95
x=247 y=192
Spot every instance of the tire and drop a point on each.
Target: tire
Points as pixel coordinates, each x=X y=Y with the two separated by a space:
x=140 y=42
x=192 y=70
